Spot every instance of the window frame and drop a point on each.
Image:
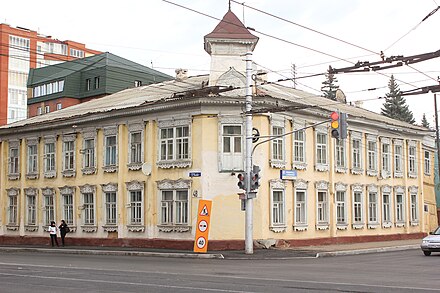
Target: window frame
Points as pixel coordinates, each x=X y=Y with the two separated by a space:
x=321 y=149
x=135 y=148
x=341 y=206
x=356 y=153
x=414 y=205
x=373 y=207
x=110 y=151
x=278 y=217
x=357 y=205
x=278 y=143
x=88 y=207
x=398 y=158
x=322 y=206
x=372 y=155
x=412 y=159
x=174 y=159
x=399 y=207
x=341 y=155
x=67 y=204
x=49 y=156
x=32 y=158
x=31 y=207
x=427 y=162
x=69 y=155
x=386 y=158
x=14 y=160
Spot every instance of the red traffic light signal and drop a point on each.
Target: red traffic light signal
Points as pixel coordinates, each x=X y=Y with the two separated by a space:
x=334 y=116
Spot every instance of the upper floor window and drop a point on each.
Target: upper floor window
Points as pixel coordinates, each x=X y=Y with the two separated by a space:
x=76 y=53
x=299 y=146
x=427 y=163
x=69 y=155
x=412 y=159
x=356 y=155
x=88 y=84
x=14 y=160
x=46 y=109
x=96 y=82
x=174 y=143
x=59 y=106
x=340 y=156
x=137 y=83
x=321 y=150
x=398 y=158
x=135 y=151
x=39 y=111
x=277 y=144
x=371 y=155
x=49 y=157
x=386 y=158
x=110 y=150
x=88 y=152
x=231 y=144
x=32 y=158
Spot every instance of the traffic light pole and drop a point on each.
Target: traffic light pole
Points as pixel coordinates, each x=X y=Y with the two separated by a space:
x=249 y=241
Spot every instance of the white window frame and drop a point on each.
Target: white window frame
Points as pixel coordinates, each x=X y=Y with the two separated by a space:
x=341 y=206
x=69 y=155
x=111 y=151
x=414 y=205
x=322 y=206
x=14 y=160
x=110 y=207
x=49 y=156
x=59 y=106
x=399 y=206
x=357 y=205
x=278 y=220
x=321 y=149
x=136 y=148
x=231 y=160
x=278 y=143
x=180 y=155
x=372 y=169
x=341 y=156
x=427 y=162
x=31 y=206
x=88 y=208
x=412 y=159
x=398 y=158
x=385 y=157
x=32 y=158
x=135 y=207
x=299 y=146
x=387 y=207
x=300 y=213
x=89 y=155
x=373 y=219
x=171 y=224
x=356 y=153
x=68 y=204
x=13 y=212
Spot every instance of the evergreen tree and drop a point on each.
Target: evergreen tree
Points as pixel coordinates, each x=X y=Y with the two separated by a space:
x=395 y=105
x=425 y=122
x=329 y=87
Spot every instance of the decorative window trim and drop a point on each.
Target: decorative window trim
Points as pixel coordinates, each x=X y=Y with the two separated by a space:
x=87 y=188
x=299 y=165
x=372 y=138
x=50 y=139
x=133 y=128
x=400 y=190
x=31 y=227
x=110 y=131
x=86 y=135
x=413 y=190
x=278 y=122
x=357 y=187
x=224 y=120
x=355 y=135
x=322 y=186
x=69 y=172
x=321 y=167
x=412 y=144
x=427 y=161
x=32 y=141
x=278 y=185
x=300 y=185
x=385 y=174
x=373 y=188
x=175 y=163
x=107 y=188
x=341 y=187
x=132 y=186
x=14 y=144
x=13 y=192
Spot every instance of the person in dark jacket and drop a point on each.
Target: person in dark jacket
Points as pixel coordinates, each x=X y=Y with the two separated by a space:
x=64 y=229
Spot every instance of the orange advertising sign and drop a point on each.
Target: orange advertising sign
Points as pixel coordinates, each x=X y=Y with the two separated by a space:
x=202 y=232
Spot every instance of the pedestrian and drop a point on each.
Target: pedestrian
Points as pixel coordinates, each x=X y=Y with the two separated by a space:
x=53 y=233
x=64 y=229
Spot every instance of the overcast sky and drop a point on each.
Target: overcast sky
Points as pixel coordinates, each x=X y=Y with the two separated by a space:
x=164 y=36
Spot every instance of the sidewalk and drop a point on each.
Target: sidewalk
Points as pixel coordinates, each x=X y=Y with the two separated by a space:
x=285 y=253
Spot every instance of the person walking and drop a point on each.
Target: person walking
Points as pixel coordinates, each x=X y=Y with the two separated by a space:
x=64 y=229
x=53 y=233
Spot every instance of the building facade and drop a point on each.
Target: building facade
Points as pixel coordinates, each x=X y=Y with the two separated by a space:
x=117 y=169
x=59 y=86
x=22 y=49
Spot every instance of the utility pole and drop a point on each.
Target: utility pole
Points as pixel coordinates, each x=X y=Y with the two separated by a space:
x=249 y=241
x=437 y=136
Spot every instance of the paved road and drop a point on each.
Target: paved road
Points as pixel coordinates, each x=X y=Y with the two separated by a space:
x=403 y=271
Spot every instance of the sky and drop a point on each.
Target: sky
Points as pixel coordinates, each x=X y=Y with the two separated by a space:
x=165 y=37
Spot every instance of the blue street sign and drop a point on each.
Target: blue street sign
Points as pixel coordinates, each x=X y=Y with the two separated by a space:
x=288 y=174
x=195 y=174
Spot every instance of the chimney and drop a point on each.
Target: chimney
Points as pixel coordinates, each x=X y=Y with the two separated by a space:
x=181 y=74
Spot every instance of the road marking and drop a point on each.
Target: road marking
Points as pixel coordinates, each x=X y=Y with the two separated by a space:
x=224 y=277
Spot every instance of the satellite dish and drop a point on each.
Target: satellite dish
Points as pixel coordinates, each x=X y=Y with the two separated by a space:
x=340 y=96
x=146 y=169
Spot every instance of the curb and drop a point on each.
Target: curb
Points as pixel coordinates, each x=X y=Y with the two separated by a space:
x=368 y=250
x=115 y=252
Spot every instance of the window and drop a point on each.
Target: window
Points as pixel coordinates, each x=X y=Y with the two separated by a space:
x=135 y=200
x=299 y=151
x=427 y=163
x=386 y=209
x=356 y=154
x=89 y=153
x=31 y=208
x=49 y=157
x=277 y=146
x=61 y=85
x=96 y=82
x=88 y=84
x=278 y=208
x=231 y=147
x=341 y=208
x=386 y=163
x=340 y=155
x=12 y=207
x=49 y=209
x=14 y=166
x=300 y=207
x=412 y=168
x=399 y=209
x=371 y=157
x=110 y=208
x=398 y=162
x=321 y=151
x=414 y=208
x=59 y=106
x=110 y=150
x=135 y=147
x=357 y=208
x=69 y=155
x=174 y=143
x=67 y=206
x=76 y=53
x=322 y=208
x=137 y=83
x=372 y=208
x=135 y=207
x=174 y=205
x=39 y=111
x=32 y=164
x=89 y=209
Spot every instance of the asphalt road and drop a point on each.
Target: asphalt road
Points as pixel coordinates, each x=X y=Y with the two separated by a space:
x=404 y=271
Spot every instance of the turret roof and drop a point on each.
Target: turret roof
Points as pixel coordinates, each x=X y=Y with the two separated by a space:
x=230 y=27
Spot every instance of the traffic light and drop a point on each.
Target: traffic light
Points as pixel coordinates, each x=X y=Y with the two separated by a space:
x=335 y=125
x=343 y=125
x=241 y=181
x=255 y=177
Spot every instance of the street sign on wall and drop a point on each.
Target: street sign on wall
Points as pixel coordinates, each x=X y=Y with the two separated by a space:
x=288 y=174
x=202 y=232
